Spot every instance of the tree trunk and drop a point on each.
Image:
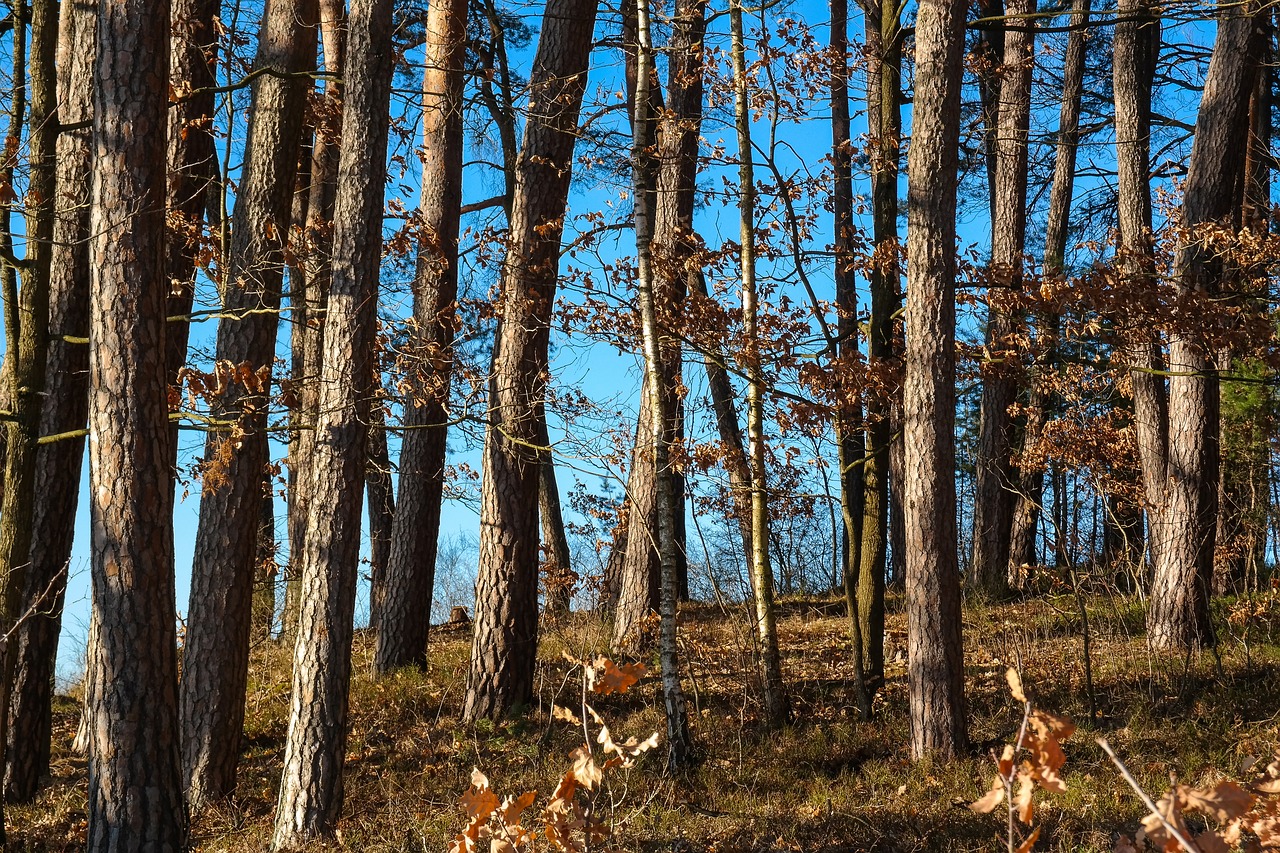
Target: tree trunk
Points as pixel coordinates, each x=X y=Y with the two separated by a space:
x=382 y=503
x=135 y=774
x=404 y=614
x=310 y=295
x=935 y=676
x=884 y=116
x=994 y=495
x=315 y=747
x=215 y=661
x=265 y=568
x=1179 y=613
x=558 y=576
x=58 y=464
x=505 y=645
x=777 y=708
x=1026 y=516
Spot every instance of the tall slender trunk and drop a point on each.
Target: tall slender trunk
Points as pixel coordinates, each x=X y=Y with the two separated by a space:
x=558 y=576
x=679 y=743
x=884 y=118
x=58 y=464
x=215 y=661
x=315 y=747
x=381 y=497
x=1026 y=517
x=1179 y=613
x=135 y=776
x=506 y=627
x=776 y=705
x=935 y=675
x=994 y=495
x=26 y=326
x=404 y=614
x=309 y=295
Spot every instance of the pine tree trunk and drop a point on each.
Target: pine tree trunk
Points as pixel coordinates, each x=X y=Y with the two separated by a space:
x=559 y=579
x=135 y=776
x=215 y=660
x=315 y=747
x=935 y=676
x=381 y=497
x=405 y=610
x=506 y=627
x=994 y=496
x=1026 y=516
x=58 y=464
x=1179 y=614
x=310 y=296
x=884 y=116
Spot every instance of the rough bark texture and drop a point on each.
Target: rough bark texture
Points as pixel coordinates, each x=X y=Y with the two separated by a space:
x=506 y=625
x=996 y=480
x=1179 y=613
x=65 y=409
x=135 y=777
x=884 y=117
x=215 y=659
x=380 y=494
x=311 y=786
x=406 y=608
x=310 y=293
x=1026 y=516
x=935 y=676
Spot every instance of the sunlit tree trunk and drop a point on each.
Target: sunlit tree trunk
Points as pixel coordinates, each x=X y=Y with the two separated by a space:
x=405 y=610
x=994 y=493
x=315 y=746
x=504 y=648
x=935 y=655
x=215 y=660
x=380 y=495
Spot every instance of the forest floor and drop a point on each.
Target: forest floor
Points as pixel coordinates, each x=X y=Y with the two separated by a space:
x=828 y=782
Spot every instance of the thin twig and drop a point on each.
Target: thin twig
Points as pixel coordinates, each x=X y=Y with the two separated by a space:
x=1146 y=800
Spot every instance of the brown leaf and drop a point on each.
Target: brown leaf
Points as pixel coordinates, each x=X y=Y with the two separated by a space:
x=559 y=712
x=1029 y=841
x=988 y=801
x=512 y=809
x=585 y=768
x=1015 y=684
x=1026 y=786
x=1224 y=801
x=612 y=678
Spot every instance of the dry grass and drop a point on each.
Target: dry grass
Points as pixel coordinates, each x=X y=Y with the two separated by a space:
x=828 y=782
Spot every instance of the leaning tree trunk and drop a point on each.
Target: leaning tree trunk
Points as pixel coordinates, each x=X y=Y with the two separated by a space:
x=935 y=674
x=135 y=775
x=215 y=662
x=404 y=613
x=1179 y=613
x=776 y=705
x=994 y=491
x=309 y=297
x=884 y=115
x=504 y=649
x=1026 y=516
x=315 y=747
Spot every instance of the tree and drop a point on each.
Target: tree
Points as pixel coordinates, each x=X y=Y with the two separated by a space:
x=994 y=494
x=406 y=605
x=506 y=625
x=935 y=675
x=135 y=778
x=315 y=747
x=64 y=414
x=215 y=661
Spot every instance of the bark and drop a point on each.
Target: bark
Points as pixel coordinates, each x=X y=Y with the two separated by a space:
x=311 y=786
x=1026 y=517
x=776 y=705
x=406 y=608
x=558 y=576
x=135 y=777
x=884 y=118
x=679 y=744
x=193 y=164
x=26 y=318
x=382 y=505
x=215 y=660
x=265 y=568
x=1179 y=613
x=935 y=676
x=58 y=464
x=994 y=491
x=506 y=626
x=310 y=294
